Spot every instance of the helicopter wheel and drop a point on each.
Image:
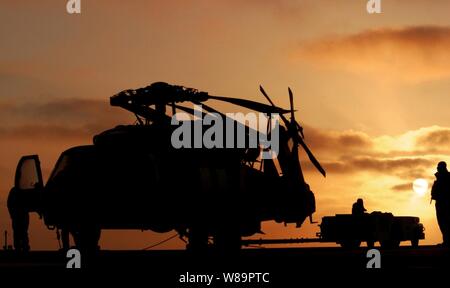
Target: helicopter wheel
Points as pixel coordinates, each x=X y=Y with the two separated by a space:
x=227 y=239
x=197 y=239
x=87 y=238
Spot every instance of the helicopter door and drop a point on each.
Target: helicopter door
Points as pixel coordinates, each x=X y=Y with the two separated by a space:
x=28 y=173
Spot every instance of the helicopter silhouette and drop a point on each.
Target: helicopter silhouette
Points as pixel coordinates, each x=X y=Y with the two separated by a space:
x=132 y=178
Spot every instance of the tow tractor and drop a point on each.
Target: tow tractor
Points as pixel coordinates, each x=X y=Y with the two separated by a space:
x=350 y=231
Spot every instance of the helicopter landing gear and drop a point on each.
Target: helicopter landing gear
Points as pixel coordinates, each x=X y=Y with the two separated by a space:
x=228 y=239
x=197 y=239
x=87 y=238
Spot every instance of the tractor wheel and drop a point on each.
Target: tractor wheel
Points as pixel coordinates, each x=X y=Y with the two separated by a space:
x=370 y=244
x=415 y=243
x=390 y=244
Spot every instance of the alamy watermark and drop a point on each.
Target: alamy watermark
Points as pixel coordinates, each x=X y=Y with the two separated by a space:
x=375 y=258
x=230 y=132
x=73 y=6
x=373 y=6
x=74 y=256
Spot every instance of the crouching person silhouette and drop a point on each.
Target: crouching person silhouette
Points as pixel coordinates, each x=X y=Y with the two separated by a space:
x=358 y=207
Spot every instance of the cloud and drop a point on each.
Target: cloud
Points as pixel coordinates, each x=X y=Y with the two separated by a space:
x=436 y=138
x=63 y=118
x=388 y=165
x=47 y=132
x=415 y=53
x=433 y=141
x=402 y=187
x=337 y=141
x=403 y=167
x=406 y=156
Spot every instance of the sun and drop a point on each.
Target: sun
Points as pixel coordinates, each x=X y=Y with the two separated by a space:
x=420 y=186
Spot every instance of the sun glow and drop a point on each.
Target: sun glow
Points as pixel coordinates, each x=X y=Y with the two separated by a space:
x=420 y=186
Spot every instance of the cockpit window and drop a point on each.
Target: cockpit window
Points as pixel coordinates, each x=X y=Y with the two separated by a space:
x=29 y=176
x=62 y=163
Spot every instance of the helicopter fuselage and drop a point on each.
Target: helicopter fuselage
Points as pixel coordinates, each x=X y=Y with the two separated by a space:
x=125 y=185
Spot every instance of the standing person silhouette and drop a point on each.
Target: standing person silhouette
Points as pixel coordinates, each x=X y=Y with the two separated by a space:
x=440 y=192
x=20 y=219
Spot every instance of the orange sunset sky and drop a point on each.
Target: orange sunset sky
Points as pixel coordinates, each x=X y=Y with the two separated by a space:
x=373 y=91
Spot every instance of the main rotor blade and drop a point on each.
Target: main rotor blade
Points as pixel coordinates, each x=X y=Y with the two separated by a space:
x=190 y=110
x=253 y=105
x=212 y=110
x=300 y=130
x=286 y=122
x=312 y=157
x=265 y=95
x=291 y=101
x=302 y=143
